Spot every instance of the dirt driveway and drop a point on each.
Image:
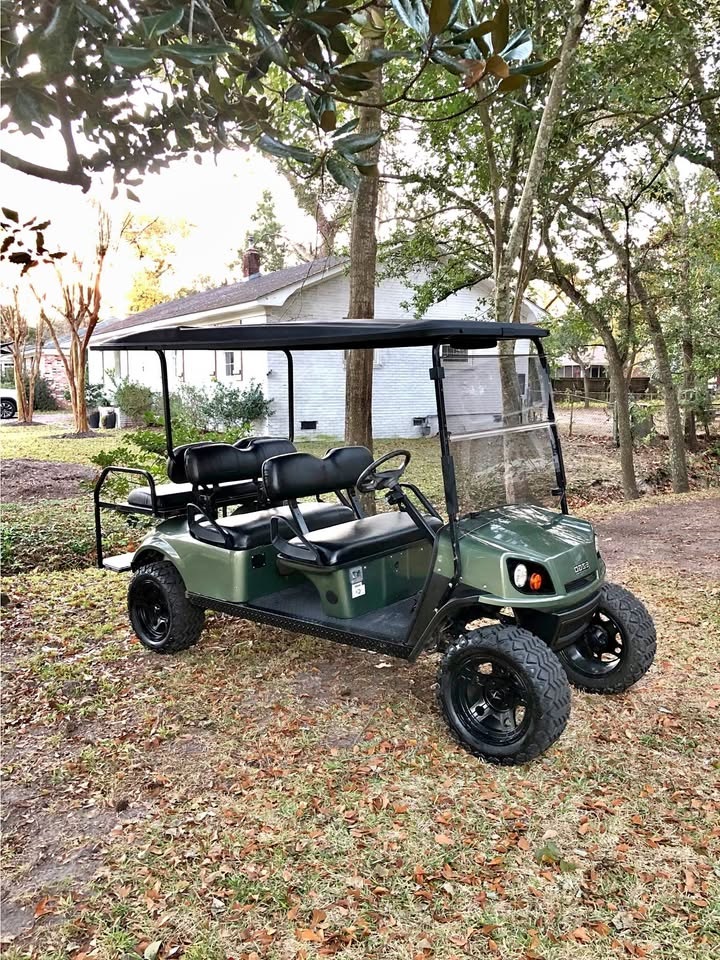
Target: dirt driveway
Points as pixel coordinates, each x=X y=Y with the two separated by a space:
x=684 y=536
x=28 y=480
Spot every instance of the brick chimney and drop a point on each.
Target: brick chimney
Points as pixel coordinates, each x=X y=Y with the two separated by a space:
x=251 y=261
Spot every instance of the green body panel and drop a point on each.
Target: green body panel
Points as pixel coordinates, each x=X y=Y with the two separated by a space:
x=348 y=592
x=239 y=576
x=560 y=543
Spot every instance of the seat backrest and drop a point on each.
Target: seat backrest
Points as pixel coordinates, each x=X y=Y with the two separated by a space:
x=296 y=475
x=215 y=463
x=265 y=447
x=176 y=464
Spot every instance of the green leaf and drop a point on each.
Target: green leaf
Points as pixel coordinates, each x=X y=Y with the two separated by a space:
x=412 y=13
x=341 y=173
x=439 y=15
x=328 y=113
x=195 y=55
x=94 y=16
x=535 y=69
x=472 y=33
x=381 y=55
x=501 y=27
x=283 y=150
x=518 y=47
x=512 y=83
x=134 y=58
x=159 y=24
x=347 y=127
x=356 y=142
x=10 y=214
x=450 y=64
x=294 y=92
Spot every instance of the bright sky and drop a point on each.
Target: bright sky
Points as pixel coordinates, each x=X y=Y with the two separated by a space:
x=217 y=197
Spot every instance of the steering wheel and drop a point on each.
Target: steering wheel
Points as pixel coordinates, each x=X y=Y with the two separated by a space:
x=372 y=479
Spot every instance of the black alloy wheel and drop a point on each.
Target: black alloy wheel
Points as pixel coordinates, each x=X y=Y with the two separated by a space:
x=617 y=647
x=503 y=694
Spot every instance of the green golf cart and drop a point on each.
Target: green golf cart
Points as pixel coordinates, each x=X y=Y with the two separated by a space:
x=499 y=578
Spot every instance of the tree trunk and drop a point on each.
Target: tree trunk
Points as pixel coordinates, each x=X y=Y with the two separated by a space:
x=621 y=395
x=676 y=438
x=19 y=371
x=689 y=390
x=586 y=384
x=363 y=269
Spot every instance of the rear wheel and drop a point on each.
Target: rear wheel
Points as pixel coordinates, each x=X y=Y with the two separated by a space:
x=503 y=694
x=617 y=648
x=161 y=615
x=8 y=408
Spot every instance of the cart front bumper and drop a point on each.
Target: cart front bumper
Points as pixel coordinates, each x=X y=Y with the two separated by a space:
x=561 y=628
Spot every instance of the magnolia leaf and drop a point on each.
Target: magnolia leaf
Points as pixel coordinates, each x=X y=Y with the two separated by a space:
x=152 y=950
x=157 y=25
x=497 y=66
x=413 y=14
x=328 y=113
x=479 y=30
x=10 y=214
x=134 y=58
x=356 y=142
x=347 y=127
x=93 y=15
x=518 y=47
x=283 y=150
x=450 y=64
x=380 y=55
x=535 y=69
x=501 y=27
x=439 y=15
x=512 y=83
x=341 y=173
x=474 y=71
x=197 y=56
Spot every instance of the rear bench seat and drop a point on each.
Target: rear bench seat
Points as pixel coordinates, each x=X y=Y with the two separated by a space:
x=175 y=496
x=207 y=466
x=294 y=475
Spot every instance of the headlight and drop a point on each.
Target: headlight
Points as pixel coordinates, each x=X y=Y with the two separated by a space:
x=597 y=545
x=520 y=575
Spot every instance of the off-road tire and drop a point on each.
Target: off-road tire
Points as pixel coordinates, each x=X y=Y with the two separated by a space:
x=545 y=683
x=639 y=643
x=185 y=621
x=8 y=408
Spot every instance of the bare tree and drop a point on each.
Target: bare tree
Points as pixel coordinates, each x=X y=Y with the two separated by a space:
x=78 y=313
x=15 y=329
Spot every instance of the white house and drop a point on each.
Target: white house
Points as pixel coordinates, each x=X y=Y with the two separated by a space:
x=310 y=292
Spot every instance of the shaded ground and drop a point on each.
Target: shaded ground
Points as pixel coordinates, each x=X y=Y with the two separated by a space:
x=684 y=535
x=30 y=480
x=271 y=796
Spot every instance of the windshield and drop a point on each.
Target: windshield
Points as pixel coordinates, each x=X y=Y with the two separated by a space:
x=497 y=405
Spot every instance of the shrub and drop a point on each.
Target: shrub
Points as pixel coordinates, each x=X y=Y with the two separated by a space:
x=135 y=399
x=44 y=397
x=95 y=396
x=219 y=407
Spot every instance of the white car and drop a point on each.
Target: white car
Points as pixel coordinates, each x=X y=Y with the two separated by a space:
x=8 y=403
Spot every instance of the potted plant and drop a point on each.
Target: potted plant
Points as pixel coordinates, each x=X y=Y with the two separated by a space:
x=94 y=399
x=134 y=401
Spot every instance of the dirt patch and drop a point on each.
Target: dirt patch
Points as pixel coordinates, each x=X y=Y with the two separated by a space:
x=683 y=536
x=24 y=480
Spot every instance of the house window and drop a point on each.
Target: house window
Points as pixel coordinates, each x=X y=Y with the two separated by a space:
x=308 y=424
x=454 y=353
x=597 y=373
x=567 y=372
x=233 y=363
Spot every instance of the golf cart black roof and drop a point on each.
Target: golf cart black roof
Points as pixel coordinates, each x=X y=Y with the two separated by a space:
x=340 y=335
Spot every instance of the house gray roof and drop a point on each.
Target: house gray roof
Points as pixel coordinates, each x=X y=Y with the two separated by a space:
x=230 y=295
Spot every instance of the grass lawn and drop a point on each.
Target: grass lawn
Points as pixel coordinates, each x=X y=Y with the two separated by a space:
x=270 y=796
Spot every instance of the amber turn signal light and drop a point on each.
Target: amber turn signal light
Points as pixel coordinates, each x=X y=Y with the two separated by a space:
x=536 y=581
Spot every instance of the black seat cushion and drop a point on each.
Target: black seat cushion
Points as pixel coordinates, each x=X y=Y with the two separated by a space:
x=369 y=537
x=250 y=530
x=294 y=475
x=176 y=496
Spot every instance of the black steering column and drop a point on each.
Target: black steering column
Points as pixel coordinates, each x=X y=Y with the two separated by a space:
x=373 y=479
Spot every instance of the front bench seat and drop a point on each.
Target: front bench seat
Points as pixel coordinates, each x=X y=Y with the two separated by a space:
x=175 y=496
x=300 y=475
x=360 y=540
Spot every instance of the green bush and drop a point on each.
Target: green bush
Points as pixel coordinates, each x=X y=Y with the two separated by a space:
x=95 y=396
x=44 y=397
x=220 y=407
x=135 y=399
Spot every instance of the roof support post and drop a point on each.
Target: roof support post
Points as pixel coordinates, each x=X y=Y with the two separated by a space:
x=166 y=402
x=291 y=395
x=437 y=374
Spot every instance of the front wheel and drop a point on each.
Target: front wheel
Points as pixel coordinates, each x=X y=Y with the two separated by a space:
x=503 y=694
x=161 y=615
x=617 y=648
